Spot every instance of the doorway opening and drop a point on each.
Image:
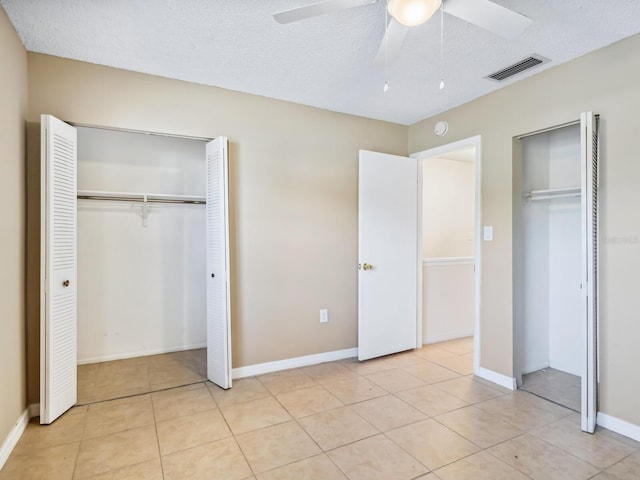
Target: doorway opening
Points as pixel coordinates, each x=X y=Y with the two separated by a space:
x=449 y=264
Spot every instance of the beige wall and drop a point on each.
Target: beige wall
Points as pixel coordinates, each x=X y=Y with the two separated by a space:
x=13 y=111
x=447 y=301
x=448 y=208
x=606 y=82
x=293 y=195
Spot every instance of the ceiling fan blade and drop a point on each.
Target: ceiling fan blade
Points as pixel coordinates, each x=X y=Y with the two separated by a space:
x=391 y=42
x=316 y=9
x=489 y=16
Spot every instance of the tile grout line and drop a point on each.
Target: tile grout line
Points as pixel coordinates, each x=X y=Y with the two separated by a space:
x=141 y=394
x=426 y=466
x=155 y=427
x=576 y=456
x=530 y=432
x=480 y=448
x=379 y=432
x=322 y=452
x=600 y=470
x=487 y=450
x=84 y=427
x=326 y=452
x=429 y=470
x=296 y=420
x=548 y=399
x=233 y=434
x=150 y=394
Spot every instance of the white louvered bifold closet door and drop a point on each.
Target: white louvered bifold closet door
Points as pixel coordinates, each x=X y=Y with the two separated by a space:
x=589 y=166
x=218 y=295
x=58 y=310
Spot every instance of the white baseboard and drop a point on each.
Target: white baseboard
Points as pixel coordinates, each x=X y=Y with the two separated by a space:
x=268 y=367
x=428 y=339
x=622 y=427
x=497 y=378
x=14 y=435
x=145 y=353
x=34 y=410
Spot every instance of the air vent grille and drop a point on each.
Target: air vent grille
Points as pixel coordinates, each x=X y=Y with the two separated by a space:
x=516 y=68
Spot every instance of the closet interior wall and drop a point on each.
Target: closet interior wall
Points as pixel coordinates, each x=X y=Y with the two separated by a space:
x=547 y=247
x=141 y=289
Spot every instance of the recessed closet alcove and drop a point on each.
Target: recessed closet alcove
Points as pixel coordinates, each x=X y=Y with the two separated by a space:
x=134 y=264
x=555 y=260
x=141 y=265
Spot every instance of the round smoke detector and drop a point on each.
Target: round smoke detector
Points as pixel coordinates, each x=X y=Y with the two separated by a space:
x=441 y=129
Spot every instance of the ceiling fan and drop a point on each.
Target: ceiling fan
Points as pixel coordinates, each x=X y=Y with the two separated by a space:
x=407 y=13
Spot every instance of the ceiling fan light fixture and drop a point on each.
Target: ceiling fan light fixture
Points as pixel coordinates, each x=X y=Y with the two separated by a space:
x=413 y=12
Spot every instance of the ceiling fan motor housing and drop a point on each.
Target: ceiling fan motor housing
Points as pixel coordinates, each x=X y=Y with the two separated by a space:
x=413 y=12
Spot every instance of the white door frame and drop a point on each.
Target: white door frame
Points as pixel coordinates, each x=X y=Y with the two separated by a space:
x=475 y=142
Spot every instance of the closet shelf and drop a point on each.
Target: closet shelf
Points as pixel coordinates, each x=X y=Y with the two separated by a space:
x=552 y=193
x=139 y=197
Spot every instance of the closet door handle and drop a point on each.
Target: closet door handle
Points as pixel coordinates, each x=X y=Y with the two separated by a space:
x=66 y=283
x=213 y=275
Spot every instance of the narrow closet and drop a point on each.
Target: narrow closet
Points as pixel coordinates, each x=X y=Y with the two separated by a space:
x=448 y=244
x=141 y=263
x=555 y=265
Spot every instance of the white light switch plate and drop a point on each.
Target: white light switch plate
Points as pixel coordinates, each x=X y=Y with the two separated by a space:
x=487 y=234
x=324 y=315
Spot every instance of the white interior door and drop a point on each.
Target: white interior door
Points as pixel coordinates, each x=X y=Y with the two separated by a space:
x=218 y=296
x=58 y=269
x=388 y=254
x=589 y=168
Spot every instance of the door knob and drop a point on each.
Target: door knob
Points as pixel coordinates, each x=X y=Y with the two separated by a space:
x=367 y=266
x=66 y=283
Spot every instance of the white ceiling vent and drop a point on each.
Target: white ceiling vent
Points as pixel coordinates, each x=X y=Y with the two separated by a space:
x=516 y=68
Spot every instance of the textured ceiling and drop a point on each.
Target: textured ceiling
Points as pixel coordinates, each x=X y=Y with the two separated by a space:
x=326 y=61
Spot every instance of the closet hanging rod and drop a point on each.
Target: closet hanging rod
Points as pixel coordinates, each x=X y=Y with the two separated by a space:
x=140 y=197
x=552 y=193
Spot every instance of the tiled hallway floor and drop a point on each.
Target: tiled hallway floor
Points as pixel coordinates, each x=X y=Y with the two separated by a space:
x=98 y=382
x=414 y=415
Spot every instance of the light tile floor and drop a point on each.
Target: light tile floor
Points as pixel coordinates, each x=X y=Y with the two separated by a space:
x=555 y=385
x=98 y=382
x=414 y=415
